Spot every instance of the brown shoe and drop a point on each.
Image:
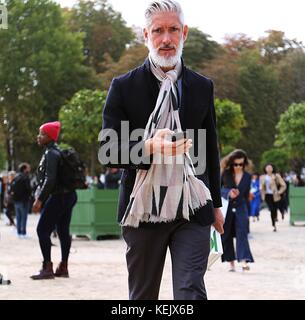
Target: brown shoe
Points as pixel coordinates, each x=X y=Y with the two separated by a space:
x=62 y=270
x=45 y=273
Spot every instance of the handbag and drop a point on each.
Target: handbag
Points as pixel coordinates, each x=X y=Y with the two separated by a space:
x=216 y=249
x=224 y=208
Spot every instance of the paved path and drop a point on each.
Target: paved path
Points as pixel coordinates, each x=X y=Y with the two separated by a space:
x=98 y=269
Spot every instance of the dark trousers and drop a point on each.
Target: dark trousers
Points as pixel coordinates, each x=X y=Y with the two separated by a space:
x=10 y=212
x=189 y=245
x=272 y=207
x=56 y=213
x=21 y=210
x=236 y=225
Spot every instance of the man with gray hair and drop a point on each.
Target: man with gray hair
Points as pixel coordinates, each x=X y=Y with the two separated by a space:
x=164 y=204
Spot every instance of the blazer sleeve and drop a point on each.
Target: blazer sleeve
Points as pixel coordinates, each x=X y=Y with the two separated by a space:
x=112 y=149
x=212 y=151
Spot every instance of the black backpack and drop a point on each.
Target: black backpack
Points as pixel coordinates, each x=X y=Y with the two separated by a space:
x=72 y=171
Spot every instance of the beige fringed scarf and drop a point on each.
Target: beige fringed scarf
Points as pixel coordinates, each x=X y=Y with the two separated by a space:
x=169 y=190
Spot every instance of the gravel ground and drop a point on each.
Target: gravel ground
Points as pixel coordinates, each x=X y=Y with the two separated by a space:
x=98 y=269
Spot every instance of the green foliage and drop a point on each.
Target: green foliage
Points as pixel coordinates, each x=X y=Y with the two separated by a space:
x=2 y=157
x=40 y=67
x=48 y=54
x=291 y=131
x=131 y=58
x=230 y=121
x=81 y=116
x=275 y=45
x=63 y=145
x=198 y=49
x=265 y=77
x=226 y=150
x=81 y=120
x=104 y=31
x=291 y=74
x=278 y=157
x=2 y=150
x=258 y=94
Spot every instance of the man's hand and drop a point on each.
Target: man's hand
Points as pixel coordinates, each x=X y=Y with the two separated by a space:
x=160 y=144
x=219 y=220
x=36 y=206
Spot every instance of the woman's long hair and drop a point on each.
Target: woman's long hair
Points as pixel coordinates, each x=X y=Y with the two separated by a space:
x=227 y=162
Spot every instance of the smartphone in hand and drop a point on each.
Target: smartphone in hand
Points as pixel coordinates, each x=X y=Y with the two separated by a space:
x=179 y=135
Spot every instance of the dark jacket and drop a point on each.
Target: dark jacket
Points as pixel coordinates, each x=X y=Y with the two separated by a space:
x=228 y=183
x=132 y=98
x=112 y=180
x=47 y=172
x=21 y=188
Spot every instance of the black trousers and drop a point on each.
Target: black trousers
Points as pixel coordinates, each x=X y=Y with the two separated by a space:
x=189 y=245
x=10 y=212
x=272 y=207
x=56 y=213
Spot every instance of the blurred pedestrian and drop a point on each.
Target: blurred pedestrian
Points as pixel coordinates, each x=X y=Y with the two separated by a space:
x=255 y=197
x=272 y=188
x=9 y=208
x=298 y=181
x=2 y=182
x=236 y=182
x=284 y=202
x=112 y=178
x=21 y=190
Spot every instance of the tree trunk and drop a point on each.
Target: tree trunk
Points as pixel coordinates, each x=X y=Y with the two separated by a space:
x=93 y=160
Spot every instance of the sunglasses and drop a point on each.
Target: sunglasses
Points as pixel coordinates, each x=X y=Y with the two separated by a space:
x=238 y=164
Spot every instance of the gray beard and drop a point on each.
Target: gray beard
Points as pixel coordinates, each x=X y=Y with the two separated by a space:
x=162 y=61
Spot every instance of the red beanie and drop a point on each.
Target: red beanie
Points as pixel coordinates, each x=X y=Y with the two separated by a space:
x=51 y=129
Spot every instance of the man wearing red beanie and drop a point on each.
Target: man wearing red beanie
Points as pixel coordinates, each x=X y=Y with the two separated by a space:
x=55 y=203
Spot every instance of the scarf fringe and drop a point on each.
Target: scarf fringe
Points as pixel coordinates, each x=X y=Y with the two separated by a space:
x=134 y=221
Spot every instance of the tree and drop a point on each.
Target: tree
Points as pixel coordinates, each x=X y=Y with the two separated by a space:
x=230 y=121
x=104 y=31
x=291 y=133
x=224 y=67
x=199 y=49
x=275 y=45
x=224 y=71
x=237 y=43
x=276 y=156
x=131 y=58
x=81 y=120
x=40 y=67
x=291 y=74
x=258 y=94
x=2 y=151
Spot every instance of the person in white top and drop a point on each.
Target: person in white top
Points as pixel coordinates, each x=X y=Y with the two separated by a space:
x=272 y=187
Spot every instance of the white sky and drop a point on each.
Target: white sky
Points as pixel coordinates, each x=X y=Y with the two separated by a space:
x=220 y=17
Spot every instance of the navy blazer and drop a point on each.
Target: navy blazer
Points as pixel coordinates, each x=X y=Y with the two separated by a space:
x=132 y=97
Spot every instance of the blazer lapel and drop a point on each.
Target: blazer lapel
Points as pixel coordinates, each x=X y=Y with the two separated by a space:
x=184 y=96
